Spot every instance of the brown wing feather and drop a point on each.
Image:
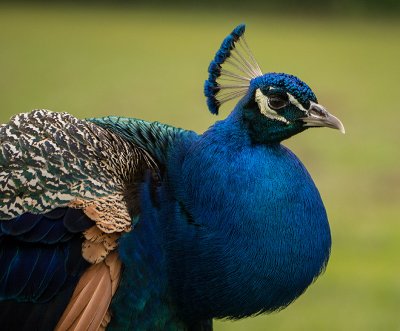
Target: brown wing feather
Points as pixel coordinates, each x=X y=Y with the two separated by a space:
x=88 y=307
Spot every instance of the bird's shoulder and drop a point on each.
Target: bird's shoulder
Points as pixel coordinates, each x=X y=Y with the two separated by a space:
x=154 y=137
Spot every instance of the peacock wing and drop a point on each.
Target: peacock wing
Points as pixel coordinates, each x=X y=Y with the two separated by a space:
x=61 y=177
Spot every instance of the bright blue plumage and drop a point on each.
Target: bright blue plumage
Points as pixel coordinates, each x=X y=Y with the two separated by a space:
x=162 y=228
x=246 y=193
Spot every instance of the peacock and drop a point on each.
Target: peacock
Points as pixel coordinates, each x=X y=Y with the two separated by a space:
x=121 y=224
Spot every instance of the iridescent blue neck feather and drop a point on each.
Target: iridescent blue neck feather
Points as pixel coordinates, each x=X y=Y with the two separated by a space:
x=250 y=239
x=260 y=234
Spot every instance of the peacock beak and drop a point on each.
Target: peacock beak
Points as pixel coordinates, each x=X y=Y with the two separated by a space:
x=318 y=116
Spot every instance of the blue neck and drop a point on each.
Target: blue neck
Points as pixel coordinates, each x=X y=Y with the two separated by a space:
x=252 y=236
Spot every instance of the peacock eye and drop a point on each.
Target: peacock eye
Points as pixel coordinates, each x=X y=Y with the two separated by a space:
x=276 y=102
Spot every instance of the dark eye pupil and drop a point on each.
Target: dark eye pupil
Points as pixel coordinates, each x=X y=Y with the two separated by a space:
x=276 y=103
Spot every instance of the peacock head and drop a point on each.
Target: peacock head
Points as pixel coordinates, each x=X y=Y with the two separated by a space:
x=275 y=106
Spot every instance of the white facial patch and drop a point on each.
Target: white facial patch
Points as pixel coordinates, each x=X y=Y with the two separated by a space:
x=262 y=101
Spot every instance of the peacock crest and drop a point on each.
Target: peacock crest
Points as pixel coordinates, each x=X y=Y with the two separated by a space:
x=231 y=70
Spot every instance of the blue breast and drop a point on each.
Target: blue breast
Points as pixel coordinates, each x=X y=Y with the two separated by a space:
x=261 y=234
x=234 y=229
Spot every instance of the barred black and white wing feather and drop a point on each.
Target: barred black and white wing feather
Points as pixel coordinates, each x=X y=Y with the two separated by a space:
x=50 y=160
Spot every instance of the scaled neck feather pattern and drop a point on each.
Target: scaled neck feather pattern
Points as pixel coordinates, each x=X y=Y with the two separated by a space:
x=261 y=234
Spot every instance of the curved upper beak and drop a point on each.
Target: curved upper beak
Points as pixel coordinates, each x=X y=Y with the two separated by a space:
x=318 y=116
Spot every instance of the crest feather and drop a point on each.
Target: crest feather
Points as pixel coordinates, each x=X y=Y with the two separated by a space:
x=231 y=70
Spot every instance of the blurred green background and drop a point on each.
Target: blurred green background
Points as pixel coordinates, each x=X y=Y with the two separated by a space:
x=150 y=62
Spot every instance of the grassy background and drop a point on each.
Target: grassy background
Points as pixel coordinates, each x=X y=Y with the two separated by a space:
x=151 y=64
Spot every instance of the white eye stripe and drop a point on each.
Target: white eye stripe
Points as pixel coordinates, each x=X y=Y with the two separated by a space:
x=296 y=103
x=262 y=102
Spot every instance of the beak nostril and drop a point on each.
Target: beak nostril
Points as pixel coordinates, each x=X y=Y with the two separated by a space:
x=317 y=110
x=314 y=112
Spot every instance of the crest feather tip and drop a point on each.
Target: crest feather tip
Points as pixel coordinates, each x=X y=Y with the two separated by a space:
x=239 y=30
x=231 y=70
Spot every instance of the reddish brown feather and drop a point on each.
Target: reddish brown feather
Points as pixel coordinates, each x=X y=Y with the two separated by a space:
x=92 y=296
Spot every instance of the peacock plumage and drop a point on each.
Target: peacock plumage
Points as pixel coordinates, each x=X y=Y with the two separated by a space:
x=123 y=224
